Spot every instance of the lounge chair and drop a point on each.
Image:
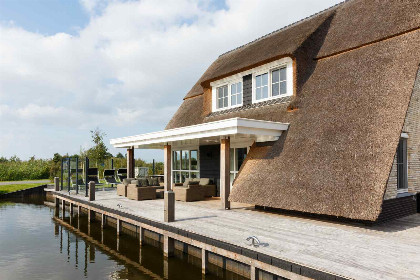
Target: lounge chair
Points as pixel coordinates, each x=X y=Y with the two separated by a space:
x=122 y=174
x=92 y=174
x=109 y=176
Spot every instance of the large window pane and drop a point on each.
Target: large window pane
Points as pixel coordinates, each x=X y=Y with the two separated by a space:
x=185 y=160
x=176 y=162
x=232 y=159
x=194 y=160
x=241 y=157
x=184 y=175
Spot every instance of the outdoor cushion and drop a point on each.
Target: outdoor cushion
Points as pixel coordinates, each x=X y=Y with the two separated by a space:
x=143 y=182
x=127 y=181
x=153 y=181
x=204 y=181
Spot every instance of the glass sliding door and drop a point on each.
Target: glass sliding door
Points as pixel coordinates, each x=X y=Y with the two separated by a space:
x=185 y=165
x=237 y=157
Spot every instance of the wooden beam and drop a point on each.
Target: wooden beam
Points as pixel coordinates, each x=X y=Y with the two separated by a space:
x=225 y=172
x=167 y=162
x=168 y=246
x=130 y=163
x=169 y=195
x=204 y=261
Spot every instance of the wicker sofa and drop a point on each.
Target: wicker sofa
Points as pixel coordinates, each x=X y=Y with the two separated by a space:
x=143 y=188
x=194 y=190
x=122 y=188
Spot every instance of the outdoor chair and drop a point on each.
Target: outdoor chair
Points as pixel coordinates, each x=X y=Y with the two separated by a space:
x=92 y=175
x=140 y=190
x=122 y=188
x=122 y=174
x=109 y=176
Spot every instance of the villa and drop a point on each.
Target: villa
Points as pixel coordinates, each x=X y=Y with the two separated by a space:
x=321 y=116
x=319 y=122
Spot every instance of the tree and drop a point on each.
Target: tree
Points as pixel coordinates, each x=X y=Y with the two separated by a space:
x=120 y=155
x=55 y=166
x=99 y=153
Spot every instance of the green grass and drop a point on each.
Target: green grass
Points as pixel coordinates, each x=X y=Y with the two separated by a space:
x=16 y=187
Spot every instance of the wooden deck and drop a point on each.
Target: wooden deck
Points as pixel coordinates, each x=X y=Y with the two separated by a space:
x=388 y=251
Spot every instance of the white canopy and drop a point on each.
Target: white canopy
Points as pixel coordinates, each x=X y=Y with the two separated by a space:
x=238 y=129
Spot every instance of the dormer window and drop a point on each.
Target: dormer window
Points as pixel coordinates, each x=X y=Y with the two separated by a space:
x=262 y=83
x=228 y=95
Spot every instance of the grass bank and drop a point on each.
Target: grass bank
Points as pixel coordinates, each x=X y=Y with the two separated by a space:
x=17 y=187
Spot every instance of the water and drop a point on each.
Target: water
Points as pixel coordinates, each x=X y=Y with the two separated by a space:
x=36 y=244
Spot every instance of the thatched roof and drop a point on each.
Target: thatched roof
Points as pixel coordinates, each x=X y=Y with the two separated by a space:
x=356 y=67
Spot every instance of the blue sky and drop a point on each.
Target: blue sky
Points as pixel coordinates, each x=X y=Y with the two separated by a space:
x=70 y=66
x=45 y=16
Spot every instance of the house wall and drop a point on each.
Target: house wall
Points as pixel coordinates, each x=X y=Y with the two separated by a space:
x=412 y=128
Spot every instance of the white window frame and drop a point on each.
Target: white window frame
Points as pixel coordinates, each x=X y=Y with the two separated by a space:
x=228 y=83
x=266 y=68
x=269 y=68
x=189 y=149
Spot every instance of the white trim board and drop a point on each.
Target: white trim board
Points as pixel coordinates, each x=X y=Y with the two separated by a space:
x=258 y=130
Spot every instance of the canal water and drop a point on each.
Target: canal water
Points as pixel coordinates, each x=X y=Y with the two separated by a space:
x=37 y=243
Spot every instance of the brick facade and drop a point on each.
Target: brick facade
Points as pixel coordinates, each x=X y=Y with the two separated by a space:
x=412 y=128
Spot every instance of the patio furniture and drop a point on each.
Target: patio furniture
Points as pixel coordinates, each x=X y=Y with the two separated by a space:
x=209 y=187
x=109 y=176
x=194 y=189
x=122 y=188
x=139 y=190
x=189 y=191
x=122 y=173
x=92 y=175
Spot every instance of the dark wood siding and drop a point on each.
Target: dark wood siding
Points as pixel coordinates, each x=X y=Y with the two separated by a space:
x=247 y=90
x=398 y=208
x=210 y=163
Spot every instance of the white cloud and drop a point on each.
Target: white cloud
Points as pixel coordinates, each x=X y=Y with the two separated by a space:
x=127 y=70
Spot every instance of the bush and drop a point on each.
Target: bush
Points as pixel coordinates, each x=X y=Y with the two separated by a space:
x=15 y=169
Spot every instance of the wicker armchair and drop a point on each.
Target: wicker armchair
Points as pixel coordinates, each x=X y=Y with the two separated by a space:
x=140 y=193
x=122 y=188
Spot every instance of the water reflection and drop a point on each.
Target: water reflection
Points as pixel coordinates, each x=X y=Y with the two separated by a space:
x=38 y=242
x=140 y=262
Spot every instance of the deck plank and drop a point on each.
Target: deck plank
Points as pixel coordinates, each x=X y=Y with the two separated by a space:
x=389 y=251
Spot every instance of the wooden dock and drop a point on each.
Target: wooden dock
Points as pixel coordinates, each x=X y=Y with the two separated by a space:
x=292 y=247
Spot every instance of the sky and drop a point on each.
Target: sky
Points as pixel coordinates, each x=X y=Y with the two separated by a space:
x=68 y=67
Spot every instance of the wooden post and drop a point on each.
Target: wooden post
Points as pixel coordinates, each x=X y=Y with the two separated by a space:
x=165 y=268
x=103 y=220
x=118 y=226
x=169 y=195
x=71 y=209
x=91 y=190
x=56 y=184
x=225 y=172
x=204 y=260
x=141 y=235
x=254 y=273
x=63 y=207
x=130 y=163
x=91 y=215
x=168 y=246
